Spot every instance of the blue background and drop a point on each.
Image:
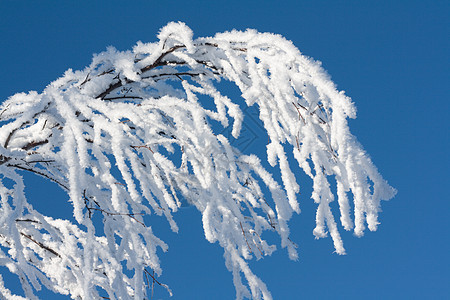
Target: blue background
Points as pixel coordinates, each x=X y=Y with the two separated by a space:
x=391 y=57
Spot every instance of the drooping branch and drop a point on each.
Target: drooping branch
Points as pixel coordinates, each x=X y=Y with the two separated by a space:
x=140 y=132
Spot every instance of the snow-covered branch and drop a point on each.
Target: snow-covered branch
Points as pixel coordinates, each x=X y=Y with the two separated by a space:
x=128 y=136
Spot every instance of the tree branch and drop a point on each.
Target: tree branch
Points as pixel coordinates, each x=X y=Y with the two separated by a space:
x=155 y=64
x=40 y=244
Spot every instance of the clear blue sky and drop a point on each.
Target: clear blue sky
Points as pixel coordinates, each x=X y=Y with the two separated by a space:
x=391 y=57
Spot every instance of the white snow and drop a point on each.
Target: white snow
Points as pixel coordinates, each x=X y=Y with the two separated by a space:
x=108 y=134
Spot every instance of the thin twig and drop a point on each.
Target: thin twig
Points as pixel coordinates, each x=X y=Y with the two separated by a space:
x=39 y=173
x=90 y=209
x=245 y=237
x=143 y=146
x=5 y=109
x=122 y=97
x=28 y=220
x=40 y=244
x=299 y=114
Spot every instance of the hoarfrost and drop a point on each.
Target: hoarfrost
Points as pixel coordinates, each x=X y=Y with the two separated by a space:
x=104 y=135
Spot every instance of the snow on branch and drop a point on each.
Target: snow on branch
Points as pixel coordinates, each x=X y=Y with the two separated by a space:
x=128 y=137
